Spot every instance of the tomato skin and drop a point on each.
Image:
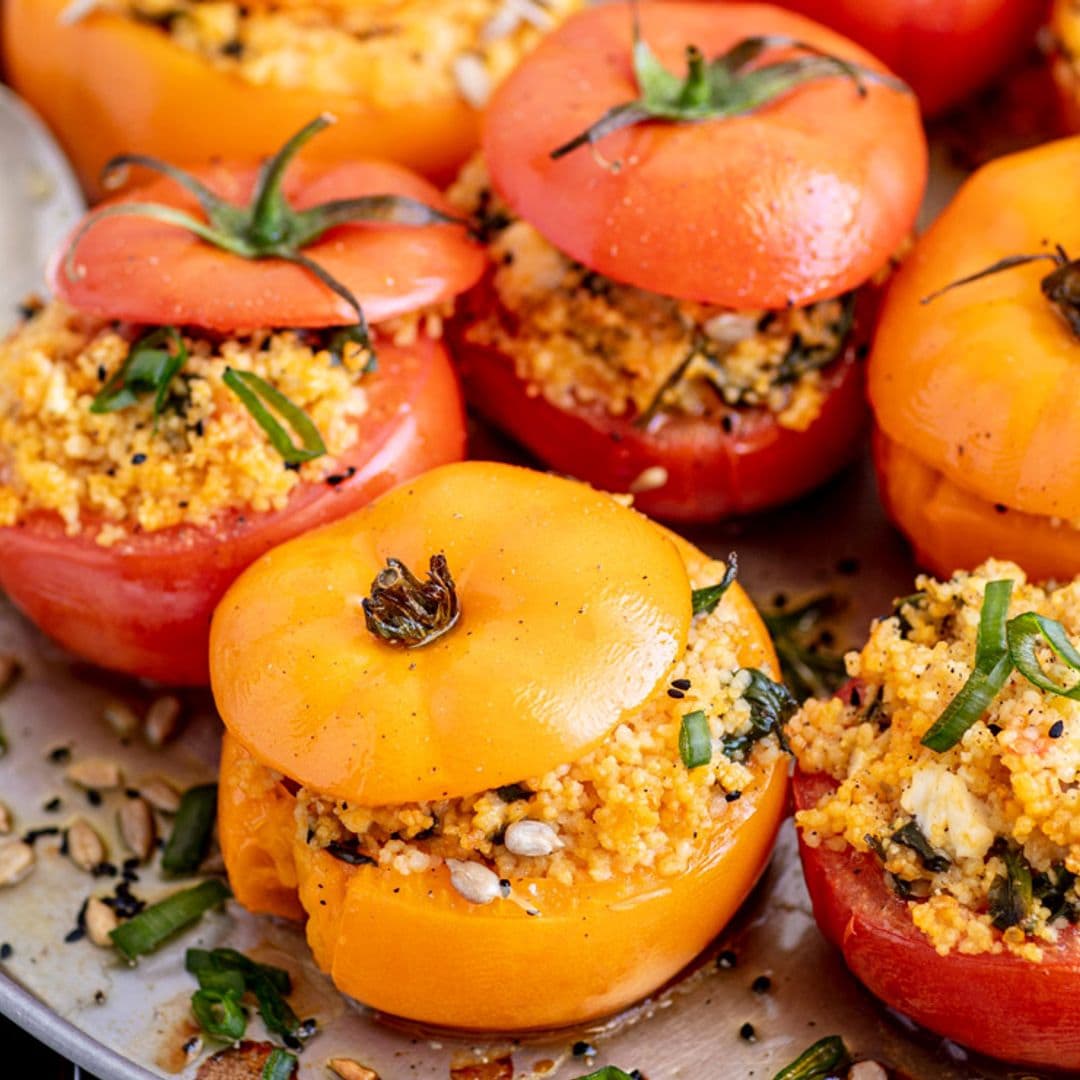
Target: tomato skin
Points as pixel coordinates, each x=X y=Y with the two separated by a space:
x=144 y=605
x=142 y=271
x=945 y=49
x=711 y=473
x=999 y=1005
x=108 y=85
x=799 y=201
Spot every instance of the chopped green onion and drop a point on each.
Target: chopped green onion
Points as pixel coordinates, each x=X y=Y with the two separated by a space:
x=277 y=1014
x=911 y=836
x=253 y=391
x=269 y=984
x=190 y=837
x=1010 y=894
x=704 y=601
x=608 y=1072
x=1024 y=634
x=149 y=369
x=220 y=1013
x=993 y=666
x=695 y=740
x=201 y=961
x=771 y=706
x=225 y=982
x=153 y=926
x=280 y=1065
x=821 y=1060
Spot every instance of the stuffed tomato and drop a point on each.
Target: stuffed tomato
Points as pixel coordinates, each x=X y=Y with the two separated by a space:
x=542 y=758
x=936 y=813
x=972 y=373
x=677 y=293
x=189 y=80
x=204 y=386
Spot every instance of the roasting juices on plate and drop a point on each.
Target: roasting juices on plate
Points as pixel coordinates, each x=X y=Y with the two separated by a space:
x=684 y=206
x=511 y=748
x=937 y=812
x=973 y=377
x=205 y=385
x=406 y=77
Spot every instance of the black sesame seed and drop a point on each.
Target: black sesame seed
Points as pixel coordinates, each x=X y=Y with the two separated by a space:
x=1057 y=729
x=675 y=693
x=34 y=835
x=726 y=960
x=59 y=755
x=994 y=729
x=583 y=1049
x=103 y=869
x=193 y=1044
x=93 y=797
x=131 y=793
x=748 y=1033
x=727 y=423
x=1001 y=508
x=138 y=459
x=681 y=684
x=99 y=997
x=307 y=1027
x=6 y=950
x=233 y=48
x=291 y=1041
x=53 y=804
x=761 y=985
x=733 y=796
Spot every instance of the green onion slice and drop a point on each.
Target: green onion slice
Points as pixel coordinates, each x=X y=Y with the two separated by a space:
x=149 y=369
x=227 y=967
x=202 y=961
x=220 y=1013
x=1011 y=894
x=256 y=394
x=190 y=837
x=695 y=740
x=280 y=1065
x=153 y=926
x=819 y=1061
x=704 y=600
x=1024 y=634
x=993 y=666
x=608 y=1072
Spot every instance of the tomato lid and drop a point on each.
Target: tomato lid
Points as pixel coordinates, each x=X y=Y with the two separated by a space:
x=146 y=271
x=803 y=199
x=572 y=610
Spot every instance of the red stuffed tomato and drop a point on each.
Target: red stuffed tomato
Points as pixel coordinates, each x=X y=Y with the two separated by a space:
x=206 y=386
x=679 y=265
x=998 y=1004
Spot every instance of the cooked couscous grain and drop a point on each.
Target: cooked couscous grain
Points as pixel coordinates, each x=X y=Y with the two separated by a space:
x=393 y=52
x=630 y=803
x=1008 y=788
x=580 y=338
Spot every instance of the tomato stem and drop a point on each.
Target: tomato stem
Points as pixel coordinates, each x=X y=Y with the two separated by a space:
x=402 y=610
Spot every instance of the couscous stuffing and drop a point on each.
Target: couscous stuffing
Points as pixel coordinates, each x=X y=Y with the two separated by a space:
x=955 y=829
x=581 y=338
x=110 y=474
x=630 y=804
x=394 y=52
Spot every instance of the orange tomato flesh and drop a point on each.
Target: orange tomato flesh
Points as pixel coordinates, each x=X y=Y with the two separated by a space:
x=952 y=529
x=573 y=609
x=108 y=85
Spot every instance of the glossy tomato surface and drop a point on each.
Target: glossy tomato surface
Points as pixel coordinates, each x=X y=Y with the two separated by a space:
x=143 y=605
x=729 y=463
x=801 y=200
x=999 y=1005
x=945 y=49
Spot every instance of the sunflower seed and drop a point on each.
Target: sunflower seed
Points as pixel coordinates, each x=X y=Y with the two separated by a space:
x=95 y=774
x=532 y=838
x=85 y=848
x=162 y=720
x=474 y=881
x=121 y=717
x=655 y=476
x=100 y=920
x=160 y=794
x=867 y=1070
x=473 y=80
x=137 y=827
x=348 y=1069
x=16 y=861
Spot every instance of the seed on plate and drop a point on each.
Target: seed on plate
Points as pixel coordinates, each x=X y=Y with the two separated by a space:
x=473 y=80
x=162 y=720
x=100 y=921
x=655 y=476
x=7 y=821
x=474 y=881
x=867 y=1070
x=137 y=827
x=121 y=717
x=348 y=1069
x=95 y=774
x=16 y=861
x=160 y=794
x=531 y=838
x=85 y=848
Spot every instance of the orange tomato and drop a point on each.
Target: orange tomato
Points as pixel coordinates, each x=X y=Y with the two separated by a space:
x=109 y=84
x=799 y=201
x=410 y=944
x=945 y=49
x=981 y=385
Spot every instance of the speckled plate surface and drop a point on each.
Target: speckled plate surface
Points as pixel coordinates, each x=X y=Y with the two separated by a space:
x=133 y=1023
